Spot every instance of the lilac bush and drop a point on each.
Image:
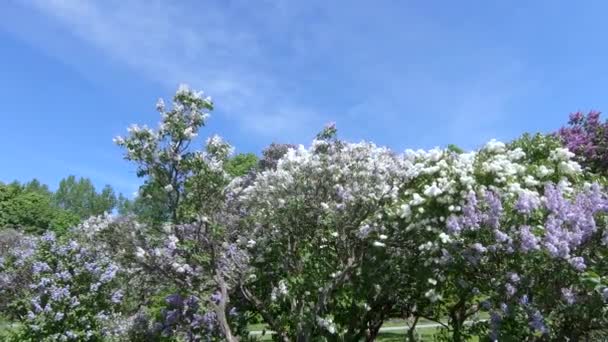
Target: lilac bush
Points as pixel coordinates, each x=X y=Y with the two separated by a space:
x=328 y=242
x=73 y=294
x=310 y=223
x=587 y=137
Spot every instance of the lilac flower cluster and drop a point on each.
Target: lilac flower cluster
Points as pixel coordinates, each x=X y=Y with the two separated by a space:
x=182 y=317
x=72 y=289
x=587 y=137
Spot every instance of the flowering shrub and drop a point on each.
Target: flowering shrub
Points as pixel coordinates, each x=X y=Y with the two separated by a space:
x=587 y=137
x=15 y=250
x=465 y=216
x=327 y=242
x=314 y=218
x=73 y=294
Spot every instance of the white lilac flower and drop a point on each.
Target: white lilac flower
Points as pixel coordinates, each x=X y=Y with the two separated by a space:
x=140 y=253
x=494 y=146
x=160 y=105
x=543 y=171
x=445 y=238
x=118 y=140
x=416 y=199
x=561 y=154
x=432 y=295
x=569 y=167
x=405 y=211
x=189 y=132
x=433 y=190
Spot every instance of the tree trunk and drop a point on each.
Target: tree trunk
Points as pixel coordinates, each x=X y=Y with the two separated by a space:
x=456 y=326
x=373 y=333
x=411 y=331
x=220 y=309
x=303 y=334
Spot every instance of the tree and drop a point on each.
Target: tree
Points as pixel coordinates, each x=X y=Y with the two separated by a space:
x=188 y=186
x=35 y=186
x=241 y=164
x=311 y=222
x=272 y=154
x=80 y=197
x=30 y=209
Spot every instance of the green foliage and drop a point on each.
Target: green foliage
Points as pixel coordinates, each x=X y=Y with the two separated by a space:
x=455 y=148
x=80 y=197
x=35 y=186
x=30 y=209
x=536 y=146
x=241 y=164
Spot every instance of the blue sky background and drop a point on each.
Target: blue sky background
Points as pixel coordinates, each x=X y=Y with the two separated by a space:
x=417 y=74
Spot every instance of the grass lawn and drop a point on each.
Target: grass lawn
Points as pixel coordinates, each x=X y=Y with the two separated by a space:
x=390 y=336
x=425 y=333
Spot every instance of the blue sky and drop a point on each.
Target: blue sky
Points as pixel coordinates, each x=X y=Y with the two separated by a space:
x=405 y=74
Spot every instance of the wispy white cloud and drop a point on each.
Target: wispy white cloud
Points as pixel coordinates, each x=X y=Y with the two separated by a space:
x=205 y=46
x=390 y=69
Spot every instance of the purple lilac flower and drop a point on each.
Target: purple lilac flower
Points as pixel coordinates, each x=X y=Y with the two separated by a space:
x=197 y=321
x=64 y=275
x=513 y=277
x=524 y=300
x=210 y=320
x=108 y=274
x=526 y=203
x=537 y=322
x=479 y=248
x=578 y=263
x=510 y=289
x=172 y=317
x=38 y=267
x=453 y=225
x=585 y=136
x=501 y=236
x=36 y=304
x=192 y=303
x=554 y=200
x=92 y=267
x=216 y=297
x=504 y=308
x=471 y=217
x=117 y=297
x=174 y=300
x=59 y=293
x=556 y=238
x=492 y=217
x=49 y=236
x=568 y=296
x=528 y=241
